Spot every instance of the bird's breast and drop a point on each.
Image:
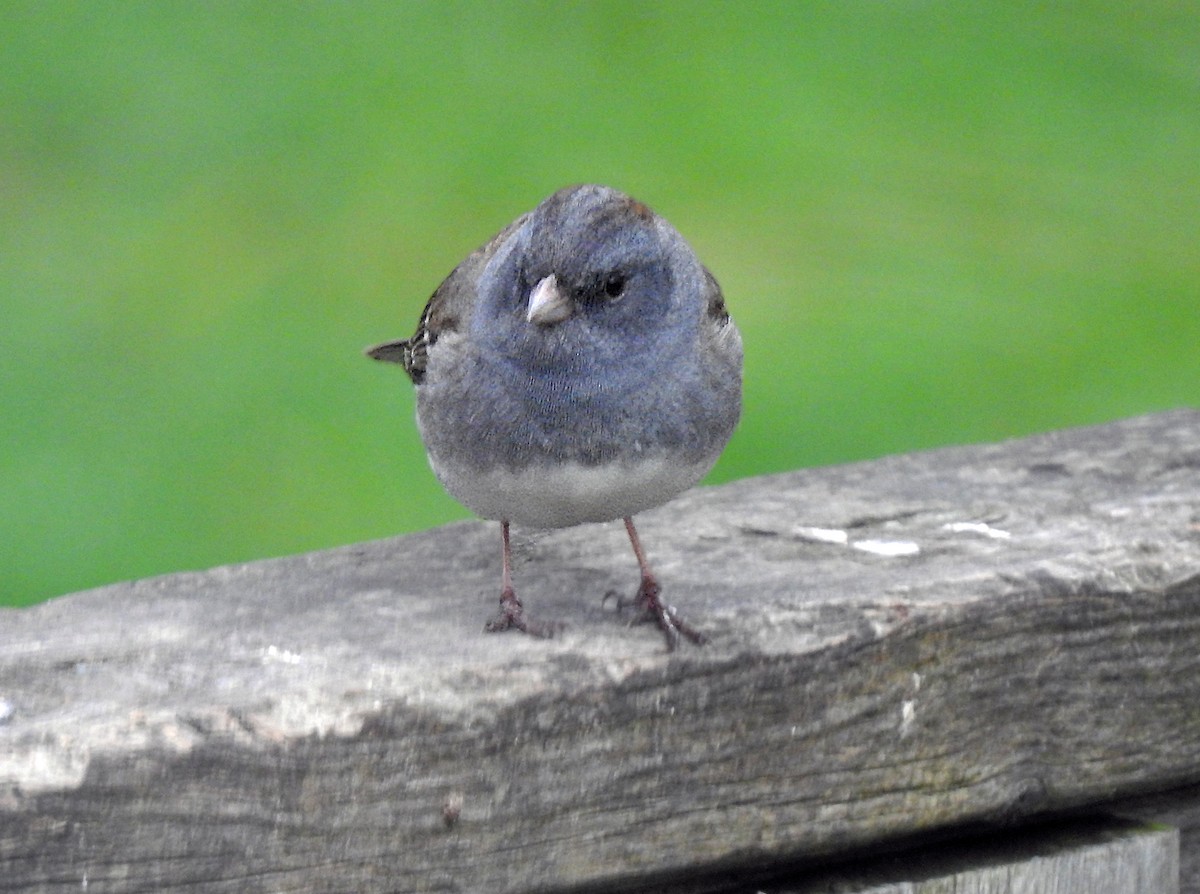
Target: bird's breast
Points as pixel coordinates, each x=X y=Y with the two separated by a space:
x=558 y=495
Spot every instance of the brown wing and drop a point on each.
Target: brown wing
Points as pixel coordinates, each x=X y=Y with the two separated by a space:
x=450 y=303
x=716 y=300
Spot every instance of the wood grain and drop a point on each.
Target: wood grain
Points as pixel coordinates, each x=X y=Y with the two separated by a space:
x=969 y=635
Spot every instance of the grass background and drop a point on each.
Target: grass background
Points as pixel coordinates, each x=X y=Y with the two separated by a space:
x=934 y=223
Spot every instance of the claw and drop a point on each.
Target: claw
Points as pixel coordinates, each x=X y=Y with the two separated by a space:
x=512 y=617
x=648 y=604
x=651 y=609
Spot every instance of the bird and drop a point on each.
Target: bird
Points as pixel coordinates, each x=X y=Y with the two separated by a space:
x=579 y=367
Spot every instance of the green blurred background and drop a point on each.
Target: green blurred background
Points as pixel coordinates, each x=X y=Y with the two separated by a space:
x=934 y=222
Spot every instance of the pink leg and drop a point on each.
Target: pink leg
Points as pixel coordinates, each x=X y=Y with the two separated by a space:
x=506 y=587
x=512 y=613
x=651 y=606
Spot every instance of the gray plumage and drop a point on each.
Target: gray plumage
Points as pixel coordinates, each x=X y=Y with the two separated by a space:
x=579 y=367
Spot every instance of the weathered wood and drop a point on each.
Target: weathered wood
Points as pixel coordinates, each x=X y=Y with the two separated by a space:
x=968 y=635
x=1102 y=856
x=1179 y=809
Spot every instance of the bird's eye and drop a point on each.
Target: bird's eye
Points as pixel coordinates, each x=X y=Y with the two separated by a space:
x=614 y=286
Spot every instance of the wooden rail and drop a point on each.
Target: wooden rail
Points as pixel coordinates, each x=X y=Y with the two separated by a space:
x=929 y=645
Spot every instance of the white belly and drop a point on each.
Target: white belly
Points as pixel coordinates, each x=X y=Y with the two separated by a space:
x=557 y=497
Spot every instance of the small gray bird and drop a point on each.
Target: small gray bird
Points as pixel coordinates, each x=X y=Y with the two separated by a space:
x=579 y=367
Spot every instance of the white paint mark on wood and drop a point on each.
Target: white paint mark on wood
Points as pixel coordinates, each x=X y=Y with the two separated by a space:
x=887 y=548
x=977 y=528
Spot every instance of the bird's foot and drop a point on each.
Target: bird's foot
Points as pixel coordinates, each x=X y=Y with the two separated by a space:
x=512 y=617
x=649 y=607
